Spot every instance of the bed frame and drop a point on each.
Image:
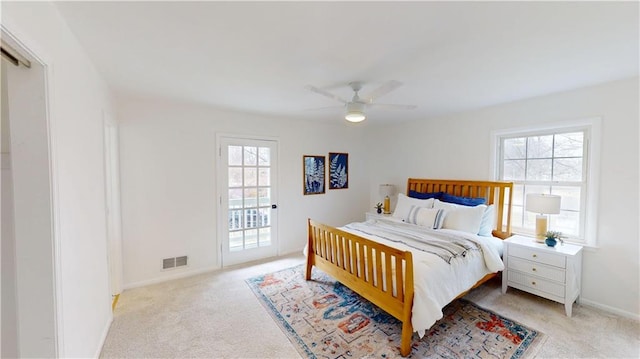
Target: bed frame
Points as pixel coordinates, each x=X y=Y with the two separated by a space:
x=344 y=255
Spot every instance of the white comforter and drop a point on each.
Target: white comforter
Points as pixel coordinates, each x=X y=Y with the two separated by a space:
x=436 y=282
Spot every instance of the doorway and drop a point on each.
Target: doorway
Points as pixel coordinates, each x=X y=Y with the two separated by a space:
x=248 y=190
x=29 y=258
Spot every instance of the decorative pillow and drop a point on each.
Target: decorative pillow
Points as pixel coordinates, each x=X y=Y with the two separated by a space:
x=461 y=218
x=488 y=221
x=420 y=195
x=404 y=205
x=426 y=217
x=465 y=201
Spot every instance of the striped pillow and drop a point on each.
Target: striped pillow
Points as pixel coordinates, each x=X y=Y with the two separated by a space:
x=426 y=217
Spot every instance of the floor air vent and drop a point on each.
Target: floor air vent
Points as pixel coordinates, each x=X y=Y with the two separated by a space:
x=169 y=263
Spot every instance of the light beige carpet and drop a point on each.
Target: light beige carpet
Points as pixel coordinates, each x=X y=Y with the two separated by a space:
x=216 y=315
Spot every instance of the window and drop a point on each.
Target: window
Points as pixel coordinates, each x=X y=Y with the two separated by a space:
x=556 y=160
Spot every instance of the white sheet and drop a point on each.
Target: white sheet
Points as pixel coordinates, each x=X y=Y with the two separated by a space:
x=437 y=283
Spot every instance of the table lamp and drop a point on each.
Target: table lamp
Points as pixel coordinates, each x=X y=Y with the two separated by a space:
x=387 y=190
x=542 y=204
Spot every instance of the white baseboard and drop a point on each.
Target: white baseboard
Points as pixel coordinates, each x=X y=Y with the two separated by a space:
x=610 y=309
x=103 y=338
x=182 y=274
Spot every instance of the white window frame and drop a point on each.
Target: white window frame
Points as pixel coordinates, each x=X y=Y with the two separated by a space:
x=593 y=129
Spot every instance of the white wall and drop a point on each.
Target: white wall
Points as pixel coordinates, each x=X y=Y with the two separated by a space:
x=168 y=174
x=77 y=99
x=458 y=147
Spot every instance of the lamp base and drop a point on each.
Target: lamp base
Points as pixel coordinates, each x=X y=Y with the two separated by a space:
x=387 y=205
x=541 y=228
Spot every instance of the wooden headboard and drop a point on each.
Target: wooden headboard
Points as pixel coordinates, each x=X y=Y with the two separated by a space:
x=498 y=193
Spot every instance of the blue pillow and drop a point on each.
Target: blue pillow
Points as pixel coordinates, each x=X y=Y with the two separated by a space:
x=465 y=201
x=421 y=195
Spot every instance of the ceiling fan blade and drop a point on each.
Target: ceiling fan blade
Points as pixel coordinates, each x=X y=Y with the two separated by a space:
x=325 y=108
x=325 y=93
x=382 y=90
x=392 y=106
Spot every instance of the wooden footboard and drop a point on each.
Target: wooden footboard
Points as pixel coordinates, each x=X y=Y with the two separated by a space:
x=379 y=273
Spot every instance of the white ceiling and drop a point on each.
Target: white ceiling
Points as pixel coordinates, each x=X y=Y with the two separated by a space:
x=451 y=56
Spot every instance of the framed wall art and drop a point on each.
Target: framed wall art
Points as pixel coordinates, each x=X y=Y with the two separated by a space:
x=313 y=168
x=338 y=170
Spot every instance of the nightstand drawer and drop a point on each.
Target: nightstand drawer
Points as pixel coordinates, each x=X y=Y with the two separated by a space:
x=537 y=269
x=538 y=256
x=533 y=282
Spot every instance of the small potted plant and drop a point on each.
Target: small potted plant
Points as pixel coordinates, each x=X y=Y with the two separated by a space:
x=378 y=207
x=553 y=237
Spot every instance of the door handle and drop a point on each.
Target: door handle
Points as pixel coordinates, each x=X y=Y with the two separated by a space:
x=274 y=206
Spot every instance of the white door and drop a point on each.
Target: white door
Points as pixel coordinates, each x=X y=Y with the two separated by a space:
x=248 y=210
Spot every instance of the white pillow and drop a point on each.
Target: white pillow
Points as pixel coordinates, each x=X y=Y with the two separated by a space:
x=404 y=205
x=461 y=218
x=488 y=221
x=426 y=217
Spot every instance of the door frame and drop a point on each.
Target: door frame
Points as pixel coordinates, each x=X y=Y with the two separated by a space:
x=112 y=201
x=219 y=190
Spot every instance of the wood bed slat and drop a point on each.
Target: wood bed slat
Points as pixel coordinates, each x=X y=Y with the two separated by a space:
x=388 y=275
x=378 y=282
x=399 y=280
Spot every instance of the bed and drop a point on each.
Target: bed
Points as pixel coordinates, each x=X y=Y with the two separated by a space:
x=367 y=264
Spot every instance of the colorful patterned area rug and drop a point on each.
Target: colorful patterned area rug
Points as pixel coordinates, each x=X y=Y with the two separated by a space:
x=325 y=319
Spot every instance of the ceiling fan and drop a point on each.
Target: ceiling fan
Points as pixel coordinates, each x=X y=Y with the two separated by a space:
x=355 y=109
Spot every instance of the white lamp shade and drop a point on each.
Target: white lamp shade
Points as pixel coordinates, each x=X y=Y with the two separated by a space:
x=387 y=189
x=355 y=112
x=543 y=203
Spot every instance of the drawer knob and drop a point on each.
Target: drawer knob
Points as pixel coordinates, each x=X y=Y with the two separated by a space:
x=535 y=255
x=533 y=283
x=533 y=269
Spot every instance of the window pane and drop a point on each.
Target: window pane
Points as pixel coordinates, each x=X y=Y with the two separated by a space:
x=536 y=189
x=235 y=198
x=518 y=194
x=540 y=146
x=235 y=219
x=251 y=238
x=265 y=196
x=515 y=148
x=265 y=237
x=567 y=169
x=514 y=170
x=567 y=222
x=250 y=176
x=569 y=144
x=235 y=241
x=264 y=176
x=539 y=170
x=530 y=219
x=570 y=197
x=235 y=177
x=250 y=156
x=235 y=155
x=250 y=218
x=517 y=212
x=265 y=217
x=264 y=156
x=250 y=197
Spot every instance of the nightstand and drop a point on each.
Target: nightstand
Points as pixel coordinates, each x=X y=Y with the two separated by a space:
x=550 y=272
x=374 y=215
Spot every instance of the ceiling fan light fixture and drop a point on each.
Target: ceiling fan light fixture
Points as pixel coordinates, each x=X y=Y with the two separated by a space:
x=355 y=112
